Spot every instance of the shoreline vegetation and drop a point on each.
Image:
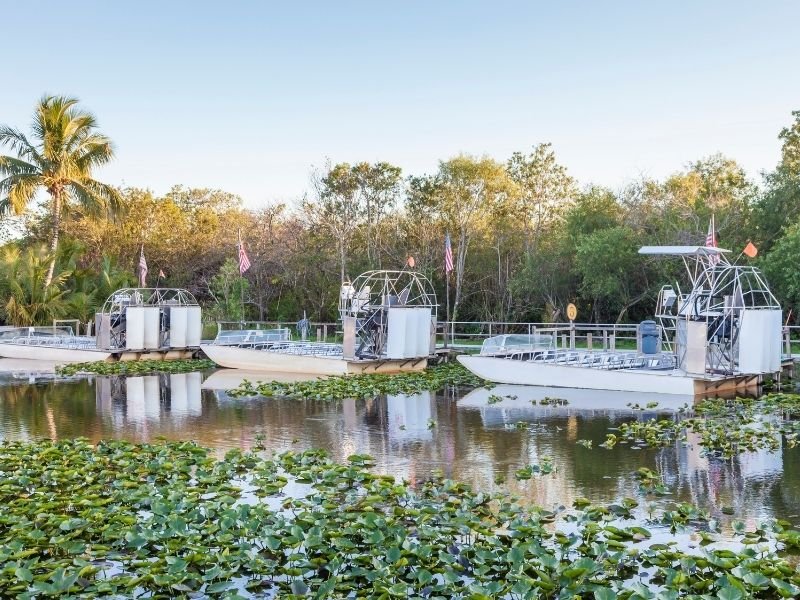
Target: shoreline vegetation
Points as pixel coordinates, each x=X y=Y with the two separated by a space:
x=527 y=238
x=167 y=519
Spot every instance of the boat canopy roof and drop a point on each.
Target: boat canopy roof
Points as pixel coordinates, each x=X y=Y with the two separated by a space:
x=682 y=250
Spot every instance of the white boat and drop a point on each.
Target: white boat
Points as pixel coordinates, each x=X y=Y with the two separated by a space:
x=388 y=322
x=55 y=345
x=725 y=334
x=134 y=323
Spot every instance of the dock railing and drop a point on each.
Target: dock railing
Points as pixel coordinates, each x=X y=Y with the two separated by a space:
x=467 y=336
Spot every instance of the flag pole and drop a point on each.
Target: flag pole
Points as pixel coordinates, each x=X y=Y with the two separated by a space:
x=241 y=281
x=447 y=295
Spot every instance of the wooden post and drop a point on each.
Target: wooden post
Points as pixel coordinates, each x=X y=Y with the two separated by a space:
x=787 y=341
x=589 y=340
x=319 y=334
x=325 y=332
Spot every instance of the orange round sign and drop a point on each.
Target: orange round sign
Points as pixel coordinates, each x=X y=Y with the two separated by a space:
x=572 y=311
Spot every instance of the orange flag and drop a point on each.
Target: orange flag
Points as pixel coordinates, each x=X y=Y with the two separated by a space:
x=750 y=250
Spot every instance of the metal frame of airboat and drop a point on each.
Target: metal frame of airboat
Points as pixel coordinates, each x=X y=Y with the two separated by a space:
x=365 y=307
x=721 y=293
x=61 y=345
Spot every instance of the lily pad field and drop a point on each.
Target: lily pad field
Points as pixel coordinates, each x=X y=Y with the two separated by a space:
x=155 y=484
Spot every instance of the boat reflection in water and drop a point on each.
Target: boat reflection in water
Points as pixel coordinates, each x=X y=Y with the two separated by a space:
x=136 y=400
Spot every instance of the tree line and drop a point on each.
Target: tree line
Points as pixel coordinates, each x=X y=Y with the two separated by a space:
x=527 y=238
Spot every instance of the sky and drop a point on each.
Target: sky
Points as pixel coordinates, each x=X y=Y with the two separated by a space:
x=248 y=97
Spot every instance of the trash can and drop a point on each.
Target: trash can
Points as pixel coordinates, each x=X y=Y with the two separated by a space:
x=651 y=337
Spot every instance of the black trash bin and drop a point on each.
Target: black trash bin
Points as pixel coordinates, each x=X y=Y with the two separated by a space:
x=650 y=337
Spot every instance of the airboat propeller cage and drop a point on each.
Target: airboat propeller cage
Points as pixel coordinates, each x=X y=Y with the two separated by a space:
x=728 y=323
x=138 y=319
x=388 y=314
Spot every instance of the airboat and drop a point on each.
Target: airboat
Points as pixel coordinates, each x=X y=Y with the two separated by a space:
x=388 y=321
x=134 y=323
x=723 y=334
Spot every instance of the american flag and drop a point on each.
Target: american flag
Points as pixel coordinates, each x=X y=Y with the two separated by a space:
x=711 y=240
x=448 y=255
x=244 y=262
x=142 y=268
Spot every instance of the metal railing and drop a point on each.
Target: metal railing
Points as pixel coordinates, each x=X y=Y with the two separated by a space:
x=469 y=335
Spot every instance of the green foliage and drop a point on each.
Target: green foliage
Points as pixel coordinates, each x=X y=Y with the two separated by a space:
x=136 y=367
x=725 y=428
x=365 y=386
x=26 y=299
x=781 y=267
x=165 y=520
x=228 y=289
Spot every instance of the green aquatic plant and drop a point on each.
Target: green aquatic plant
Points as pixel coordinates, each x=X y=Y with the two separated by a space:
x=365 y=386
x=167 y=520
x=136 y=367
x=723 y=428
x=548 y=401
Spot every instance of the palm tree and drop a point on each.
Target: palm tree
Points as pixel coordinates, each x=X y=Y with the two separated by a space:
x=66 y=147
x=26 y=300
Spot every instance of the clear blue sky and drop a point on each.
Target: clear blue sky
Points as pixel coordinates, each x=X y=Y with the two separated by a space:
x=246 y=96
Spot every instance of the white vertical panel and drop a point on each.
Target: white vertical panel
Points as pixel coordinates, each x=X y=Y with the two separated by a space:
x=194 y=394
x=152 y=397
x=396 y=333
x=423 y=331
x=177 y=326
x=410 y=343
x=178 y=400
x=151 y=327
x=134 y=395
x=759 y=341
x=134 y=327
x=776 y=337
x=194 y=326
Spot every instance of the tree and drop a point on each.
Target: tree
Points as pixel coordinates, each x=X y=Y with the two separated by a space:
x=780 y=267
x=26 y=299
x=228 y=289
x=790 y=151
x=544 y=187
x=613 y=274
x=779 y=206
x=463 y=197
x=336 y=208
x=379 y=187
x=66 y=148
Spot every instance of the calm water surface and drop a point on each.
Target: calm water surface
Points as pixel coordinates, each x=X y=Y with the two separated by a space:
x=458 y=432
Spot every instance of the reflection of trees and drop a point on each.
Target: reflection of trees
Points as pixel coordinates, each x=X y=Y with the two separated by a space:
x=46 y=410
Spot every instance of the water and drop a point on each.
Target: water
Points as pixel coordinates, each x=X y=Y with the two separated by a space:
x=463 y=434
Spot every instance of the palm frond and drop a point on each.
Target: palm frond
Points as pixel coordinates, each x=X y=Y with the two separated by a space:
x=15 y=166
x=97 y=198
x=18 y=191
x=94 y=151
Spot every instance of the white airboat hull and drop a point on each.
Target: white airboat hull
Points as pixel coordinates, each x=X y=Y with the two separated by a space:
x=518 y=372
x=54 y=354
x=234 y=357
